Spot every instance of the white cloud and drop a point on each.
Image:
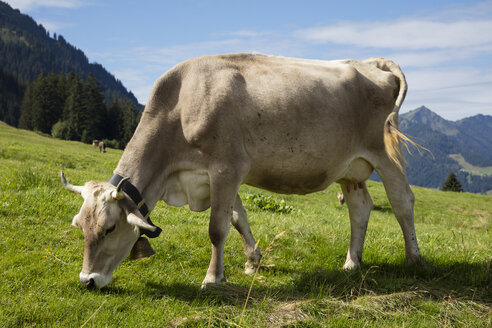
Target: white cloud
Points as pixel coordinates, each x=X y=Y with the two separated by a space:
x=434 y=58
x=446 y=78
x=454 y=93
x=458 y=12
x=26 y=5
x=177 y=53
x=404 y=34
x=246 y=33
x=52 y=26
x=143 y=65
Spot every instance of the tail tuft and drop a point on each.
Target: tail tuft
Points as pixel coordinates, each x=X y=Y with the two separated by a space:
x=392 y=139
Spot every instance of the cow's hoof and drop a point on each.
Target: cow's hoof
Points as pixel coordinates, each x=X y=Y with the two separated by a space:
x=253 y=262
x=414 y=261
x=351 y=265
x=209 y=282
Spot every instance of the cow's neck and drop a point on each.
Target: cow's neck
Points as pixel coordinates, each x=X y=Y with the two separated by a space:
x=141 y=162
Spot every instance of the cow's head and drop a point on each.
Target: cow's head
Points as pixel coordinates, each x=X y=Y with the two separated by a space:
x=111 y=223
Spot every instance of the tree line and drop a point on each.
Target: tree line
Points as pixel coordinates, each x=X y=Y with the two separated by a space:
x=11 y=93
x=70 y=108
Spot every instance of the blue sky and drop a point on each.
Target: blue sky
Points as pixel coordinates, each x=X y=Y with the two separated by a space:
x=444 y=47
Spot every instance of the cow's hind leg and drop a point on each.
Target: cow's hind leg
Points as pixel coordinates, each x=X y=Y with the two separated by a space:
x=359 y=204
x=240 y=222
x=402 y=200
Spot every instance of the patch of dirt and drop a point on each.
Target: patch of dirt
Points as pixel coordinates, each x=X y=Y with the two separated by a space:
x=288 y=313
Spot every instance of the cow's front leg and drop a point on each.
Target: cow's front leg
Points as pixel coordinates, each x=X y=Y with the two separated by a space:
x=359 y=204
x=240 y=222
x=218 y=229
x=223 y=193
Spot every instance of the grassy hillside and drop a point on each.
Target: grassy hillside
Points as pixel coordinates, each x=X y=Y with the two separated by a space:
x=300 y=283
x=476 y=170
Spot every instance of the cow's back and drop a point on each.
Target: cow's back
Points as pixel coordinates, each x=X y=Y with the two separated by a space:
x=300 y=122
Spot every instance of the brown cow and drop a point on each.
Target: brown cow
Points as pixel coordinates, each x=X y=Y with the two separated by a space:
x=282 y=124
x=100 y=145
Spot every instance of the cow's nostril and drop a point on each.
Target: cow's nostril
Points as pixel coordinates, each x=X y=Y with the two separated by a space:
x=90 y=284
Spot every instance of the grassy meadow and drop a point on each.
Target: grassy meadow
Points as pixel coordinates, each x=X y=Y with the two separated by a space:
x=300 y=283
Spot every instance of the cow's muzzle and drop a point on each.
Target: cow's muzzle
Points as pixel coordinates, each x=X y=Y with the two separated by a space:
x=89 y=284
x=94 y=280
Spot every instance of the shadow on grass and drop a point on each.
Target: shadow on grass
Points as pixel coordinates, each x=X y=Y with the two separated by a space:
x=382 y=209
x=462 y=281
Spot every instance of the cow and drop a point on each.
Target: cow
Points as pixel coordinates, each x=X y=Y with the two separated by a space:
x=291 y=126
x=100 y=145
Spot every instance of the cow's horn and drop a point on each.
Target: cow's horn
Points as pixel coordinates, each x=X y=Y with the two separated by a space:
x=69 y=187
x=141 y=249
x=118 y=194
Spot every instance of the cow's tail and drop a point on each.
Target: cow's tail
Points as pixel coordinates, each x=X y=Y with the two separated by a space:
x=393 y=137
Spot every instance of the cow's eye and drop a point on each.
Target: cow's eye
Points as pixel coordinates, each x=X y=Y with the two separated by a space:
x=110 y=229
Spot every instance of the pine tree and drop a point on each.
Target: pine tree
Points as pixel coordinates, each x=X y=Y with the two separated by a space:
x=74 y=108
x=95 y=111
x=114 y=120
x=47 y=103
x=129 y=122
x=43 y=103
x=452 y=183
x=26 y=120
x=11 y=93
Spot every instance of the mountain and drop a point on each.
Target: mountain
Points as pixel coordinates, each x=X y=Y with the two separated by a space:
x=475 y=139
x=463 y=147
x=27 y=49
x=471 y=137
x=425 y=116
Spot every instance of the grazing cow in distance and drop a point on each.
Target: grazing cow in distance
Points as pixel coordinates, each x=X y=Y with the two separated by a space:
x=102 y=147
x=100 y=144
x=288 y=125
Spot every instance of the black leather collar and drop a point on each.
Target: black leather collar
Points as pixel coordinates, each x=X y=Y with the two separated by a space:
x=137 y=198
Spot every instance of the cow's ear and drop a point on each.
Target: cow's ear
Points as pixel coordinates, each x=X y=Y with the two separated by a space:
x=139 y=221
x=141 y=249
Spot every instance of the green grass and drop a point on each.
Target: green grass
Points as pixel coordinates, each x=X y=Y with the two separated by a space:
x=301 y=283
